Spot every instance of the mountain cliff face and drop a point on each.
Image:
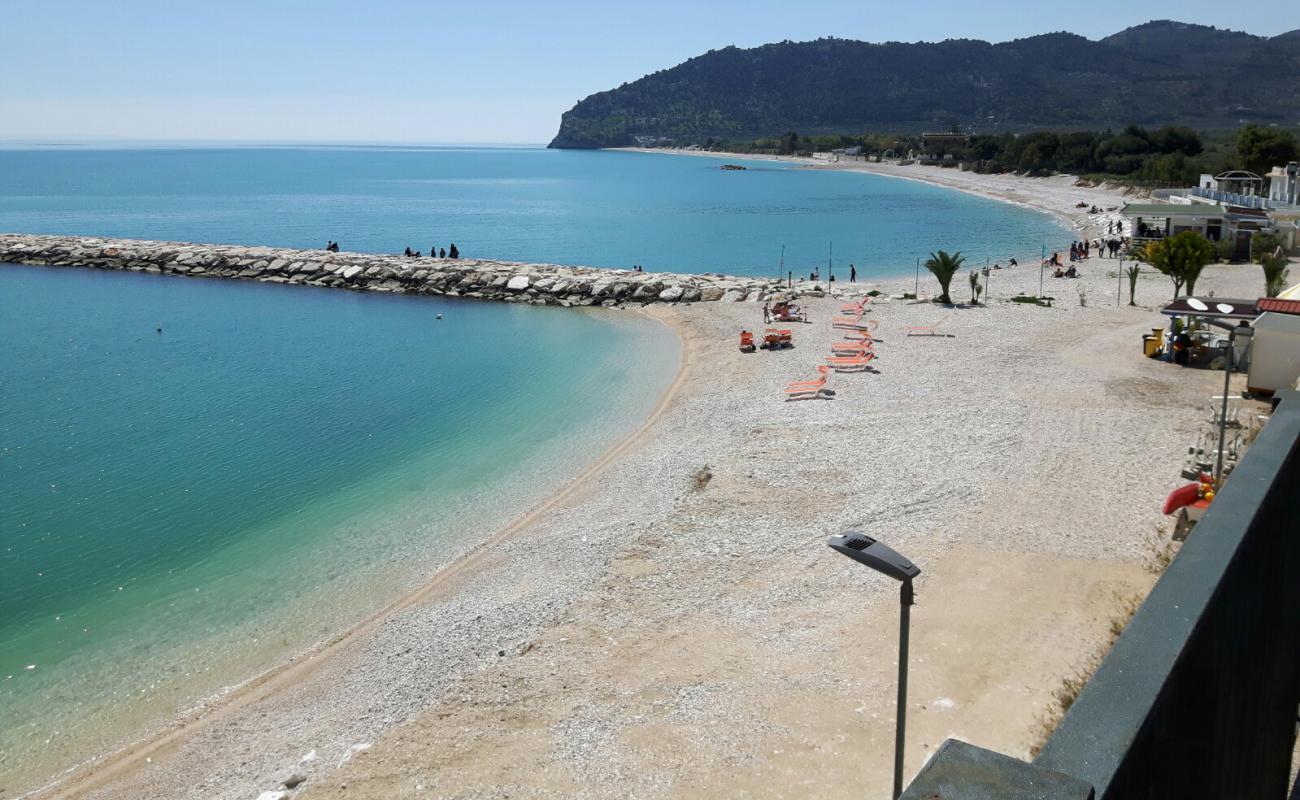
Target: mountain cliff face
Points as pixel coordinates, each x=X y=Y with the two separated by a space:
x=1157 y=73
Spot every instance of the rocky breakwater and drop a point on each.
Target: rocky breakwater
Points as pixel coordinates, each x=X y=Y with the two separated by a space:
x=540 y=284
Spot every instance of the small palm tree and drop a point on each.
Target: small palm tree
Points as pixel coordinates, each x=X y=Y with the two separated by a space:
x=975 y=288
x=944 y=266
x=1275 y=273
x=1133 y=273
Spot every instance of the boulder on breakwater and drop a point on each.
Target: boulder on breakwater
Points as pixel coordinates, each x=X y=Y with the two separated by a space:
x=539 y=284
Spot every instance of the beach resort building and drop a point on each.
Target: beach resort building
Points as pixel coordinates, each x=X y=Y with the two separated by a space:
x=1232 y=206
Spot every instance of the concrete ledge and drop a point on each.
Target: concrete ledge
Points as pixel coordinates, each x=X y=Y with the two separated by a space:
x=961 y=771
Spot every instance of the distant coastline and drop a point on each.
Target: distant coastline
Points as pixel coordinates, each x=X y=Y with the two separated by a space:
x=1058 y=195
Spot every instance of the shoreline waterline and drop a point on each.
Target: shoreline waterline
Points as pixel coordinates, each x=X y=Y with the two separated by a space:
x=106 y=767
x=1038 y=193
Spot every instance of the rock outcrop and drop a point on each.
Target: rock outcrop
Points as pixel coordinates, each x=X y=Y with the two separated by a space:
x=540 y=284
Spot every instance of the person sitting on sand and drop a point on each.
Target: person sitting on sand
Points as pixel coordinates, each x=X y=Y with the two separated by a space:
x=1011 y=263
x=1072 y=272
x=1060 y=273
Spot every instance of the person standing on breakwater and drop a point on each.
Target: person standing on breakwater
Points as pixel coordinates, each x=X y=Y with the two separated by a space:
x=853 y=274
x=453 y=252
x=407 y=253
x=442 y=253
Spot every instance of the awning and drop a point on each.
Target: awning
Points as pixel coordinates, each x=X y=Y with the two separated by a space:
x=1211 y=307
x=1279 y=305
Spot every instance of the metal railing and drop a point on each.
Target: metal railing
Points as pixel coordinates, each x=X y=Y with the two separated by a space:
x=1198 y=697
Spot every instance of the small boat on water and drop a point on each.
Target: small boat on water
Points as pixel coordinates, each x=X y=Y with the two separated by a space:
x=733 y=166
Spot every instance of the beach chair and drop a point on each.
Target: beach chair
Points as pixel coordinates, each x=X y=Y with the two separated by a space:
x=774 y=338
x=858 y=308
x=854 y=323
x=851 y=363
x=860 y=337
x=746 y=342
x=852 y=348
x=926 y=330
x=803 y=390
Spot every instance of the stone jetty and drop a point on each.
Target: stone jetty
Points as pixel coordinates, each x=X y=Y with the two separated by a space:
x=539 y=284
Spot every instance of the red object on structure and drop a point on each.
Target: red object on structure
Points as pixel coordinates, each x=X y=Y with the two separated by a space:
x=1182 y=496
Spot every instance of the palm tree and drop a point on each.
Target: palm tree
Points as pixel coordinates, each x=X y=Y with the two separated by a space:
x=1133 y=273
x=1275 y=273
x=975 y=287
x=944 y=266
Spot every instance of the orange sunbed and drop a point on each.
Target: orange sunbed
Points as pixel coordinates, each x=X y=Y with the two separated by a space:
x=846 y=363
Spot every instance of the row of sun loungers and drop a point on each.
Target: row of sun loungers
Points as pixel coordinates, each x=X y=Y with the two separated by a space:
x=854 y=354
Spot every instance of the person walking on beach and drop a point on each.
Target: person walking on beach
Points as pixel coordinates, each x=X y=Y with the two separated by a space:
x=853 y=274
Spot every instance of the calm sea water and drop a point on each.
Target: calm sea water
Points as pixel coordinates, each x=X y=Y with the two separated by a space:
x=179 y=510
x=528 y=204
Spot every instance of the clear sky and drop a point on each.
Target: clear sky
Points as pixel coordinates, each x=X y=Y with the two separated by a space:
x=489 y=71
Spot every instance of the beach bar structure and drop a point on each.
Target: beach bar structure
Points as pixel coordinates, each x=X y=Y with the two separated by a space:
x=1198 y=696
x=1238 y=224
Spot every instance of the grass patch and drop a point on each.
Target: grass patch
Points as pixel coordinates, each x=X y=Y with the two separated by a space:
x=1036 y=301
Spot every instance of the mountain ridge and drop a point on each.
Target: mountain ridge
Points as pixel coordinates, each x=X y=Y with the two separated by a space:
x=1159 y=72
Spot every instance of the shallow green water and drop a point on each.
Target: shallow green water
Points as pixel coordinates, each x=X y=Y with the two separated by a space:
x=179 y=510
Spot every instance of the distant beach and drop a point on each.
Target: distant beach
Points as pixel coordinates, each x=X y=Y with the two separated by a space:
x=1058 y=195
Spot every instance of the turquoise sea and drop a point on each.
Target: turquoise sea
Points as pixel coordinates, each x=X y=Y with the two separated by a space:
x=182 y=509
x=604 y=209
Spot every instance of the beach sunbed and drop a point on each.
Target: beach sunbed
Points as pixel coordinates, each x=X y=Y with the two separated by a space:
x=774 y=338
x=746 y=342
x=807 y=389
x=851 y=363
x=926 y=330
x=858 y=308
x=851 y=348
x=854 y=323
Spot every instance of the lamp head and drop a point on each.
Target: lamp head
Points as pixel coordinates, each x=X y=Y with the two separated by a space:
x=865 y=550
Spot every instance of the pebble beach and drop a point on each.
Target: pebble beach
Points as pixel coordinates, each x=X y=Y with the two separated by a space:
x=672 y=624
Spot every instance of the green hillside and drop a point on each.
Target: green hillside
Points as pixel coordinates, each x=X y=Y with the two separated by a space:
x=1153 y=74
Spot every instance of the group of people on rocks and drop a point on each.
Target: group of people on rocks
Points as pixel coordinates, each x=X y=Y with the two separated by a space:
x=434 y=252
x=332 y=246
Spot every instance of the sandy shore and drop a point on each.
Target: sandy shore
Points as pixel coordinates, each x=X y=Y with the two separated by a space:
x=643 y=636
x=1058 y=195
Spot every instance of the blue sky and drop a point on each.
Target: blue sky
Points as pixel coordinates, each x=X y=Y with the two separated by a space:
x=336 y=70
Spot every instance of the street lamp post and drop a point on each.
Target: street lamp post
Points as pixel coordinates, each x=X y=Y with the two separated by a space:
x=882 y=559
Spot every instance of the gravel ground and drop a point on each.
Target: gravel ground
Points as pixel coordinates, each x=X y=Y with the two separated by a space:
x=651 y=638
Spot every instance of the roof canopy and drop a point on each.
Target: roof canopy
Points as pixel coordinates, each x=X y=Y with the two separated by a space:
x=1172 y=210
x=1211 y=307
x=1239 y=175
x=1279 y=305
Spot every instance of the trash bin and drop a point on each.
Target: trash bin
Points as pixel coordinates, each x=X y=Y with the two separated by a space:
x=1150 y=345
